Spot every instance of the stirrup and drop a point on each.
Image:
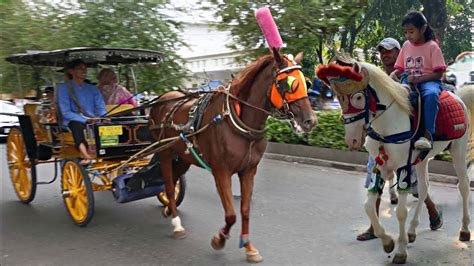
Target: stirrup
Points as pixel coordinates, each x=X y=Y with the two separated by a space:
x=423 y=144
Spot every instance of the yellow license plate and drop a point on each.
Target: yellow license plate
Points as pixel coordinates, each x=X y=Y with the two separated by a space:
x=110 y=131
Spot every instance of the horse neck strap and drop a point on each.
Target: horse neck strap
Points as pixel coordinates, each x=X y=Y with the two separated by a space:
x=239 y=124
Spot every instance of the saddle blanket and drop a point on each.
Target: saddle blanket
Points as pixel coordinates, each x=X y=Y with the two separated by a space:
x=451 y=119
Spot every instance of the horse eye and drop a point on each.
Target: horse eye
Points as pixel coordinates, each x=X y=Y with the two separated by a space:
x=358 y=101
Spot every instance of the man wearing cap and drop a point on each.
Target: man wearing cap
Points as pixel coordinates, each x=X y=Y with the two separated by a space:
x=388 y=50
x=79 y=103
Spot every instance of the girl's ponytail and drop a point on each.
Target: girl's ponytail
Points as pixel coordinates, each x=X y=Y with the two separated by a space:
x=429 y=33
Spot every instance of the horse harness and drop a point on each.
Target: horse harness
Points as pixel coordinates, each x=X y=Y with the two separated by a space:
x=404 y=173
x=228 y=110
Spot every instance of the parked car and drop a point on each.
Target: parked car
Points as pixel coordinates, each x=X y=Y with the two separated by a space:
x=7 y=121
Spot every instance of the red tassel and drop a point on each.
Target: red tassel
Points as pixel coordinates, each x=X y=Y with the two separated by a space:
x=379 y=160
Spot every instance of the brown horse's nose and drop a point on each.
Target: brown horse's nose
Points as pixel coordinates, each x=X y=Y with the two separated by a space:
x=310 y=123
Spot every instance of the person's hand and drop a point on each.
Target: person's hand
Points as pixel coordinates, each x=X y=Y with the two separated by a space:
x=394 y=76
x=93 y=120
x=412 y=79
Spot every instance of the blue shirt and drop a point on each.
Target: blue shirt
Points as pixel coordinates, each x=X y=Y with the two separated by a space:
x=88 y=97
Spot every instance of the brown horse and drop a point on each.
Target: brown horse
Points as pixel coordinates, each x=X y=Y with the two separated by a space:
x=235 y=144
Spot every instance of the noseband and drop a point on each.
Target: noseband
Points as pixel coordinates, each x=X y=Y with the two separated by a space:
x=282 y=112
x=371 y=95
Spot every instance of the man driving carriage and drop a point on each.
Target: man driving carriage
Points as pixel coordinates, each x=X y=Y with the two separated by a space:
x=79 y=103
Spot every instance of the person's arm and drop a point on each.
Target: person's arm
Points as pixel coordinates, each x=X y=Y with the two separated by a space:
x=395 y=75
x=129 y=98
x=428 y=77
x=65 y=103
x=399 y=66
x=99 y=104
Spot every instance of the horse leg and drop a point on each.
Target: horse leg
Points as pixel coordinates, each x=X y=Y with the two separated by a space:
x=458 y=153
x=379 y=231
x=167 y=172
x=423 y=185
x=392 y=190
x=246 y=188
x=402 y=213
x=224 y=188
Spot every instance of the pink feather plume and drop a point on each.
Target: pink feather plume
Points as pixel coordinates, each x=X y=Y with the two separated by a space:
x=269 y=28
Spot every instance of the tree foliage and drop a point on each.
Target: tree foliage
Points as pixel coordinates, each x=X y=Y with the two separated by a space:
x=316 y=26
x=124 y=24
x=302 y=24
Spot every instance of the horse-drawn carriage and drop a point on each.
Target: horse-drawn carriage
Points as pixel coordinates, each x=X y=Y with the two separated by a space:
x=114 y=142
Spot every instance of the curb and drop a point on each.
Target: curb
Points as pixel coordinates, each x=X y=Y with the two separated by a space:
x=305 y=155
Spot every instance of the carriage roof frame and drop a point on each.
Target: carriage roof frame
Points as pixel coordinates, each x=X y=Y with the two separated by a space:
x=92 y=56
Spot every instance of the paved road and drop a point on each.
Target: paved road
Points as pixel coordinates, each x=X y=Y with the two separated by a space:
x=301 y=215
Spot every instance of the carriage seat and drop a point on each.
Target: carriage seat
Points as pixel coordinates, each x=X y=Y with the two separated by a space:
x=118 y=108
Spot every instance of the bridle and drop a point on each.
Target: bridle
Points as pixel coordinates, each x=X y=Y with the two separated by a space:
x=280 y=98
x=372 y=106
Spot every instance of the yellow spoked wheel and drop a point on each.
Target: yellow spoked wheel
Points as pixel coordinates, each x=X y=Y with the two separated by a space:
x=179 y=191
x=22 y=170
x=77 y=192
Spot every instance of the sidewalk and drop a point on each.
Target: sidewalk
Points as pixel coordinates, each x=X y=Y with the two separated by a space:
x=440 y=171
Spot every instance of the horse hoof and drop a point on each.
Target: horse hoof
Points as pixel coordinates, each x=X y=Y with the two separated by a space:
x=254 y=258
x=389 y=248
x=217 y=243
x=411 y=238
x=464 y=236
x=166 y=212
x=179 y=234
x=399 y=258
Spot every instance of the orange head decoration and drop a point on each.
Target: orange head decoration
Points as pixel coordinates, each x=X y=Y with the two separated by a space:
x=290 y=84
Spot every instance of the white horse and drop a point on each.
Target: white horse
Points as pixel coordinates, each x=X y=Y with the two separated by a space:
x=466 y=93
x=391 y=115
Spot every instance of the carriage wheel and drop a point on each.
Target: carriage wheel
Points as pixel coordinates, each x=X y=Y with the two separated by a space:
x=77 y=192
x=22 y=170
x=179 y=191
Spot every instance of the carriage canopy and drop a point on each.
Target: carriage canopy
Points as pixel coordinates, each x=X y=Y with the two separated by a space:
x=91 y=56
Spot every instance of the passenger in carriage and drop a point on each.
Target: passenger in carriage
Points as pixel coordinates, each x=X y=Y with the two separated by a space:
x=79 y=103
x=112 y=92
x=422 y=61
x=389 y=49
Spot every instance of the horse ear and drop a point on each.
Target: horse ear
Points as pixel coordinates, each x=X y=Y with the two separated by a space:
x=277 y=56
x=299 y=58
x=356 y=67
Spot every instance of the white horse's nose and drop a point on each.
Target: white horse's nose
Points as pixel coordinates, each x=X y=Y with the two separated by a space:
x=354 y=144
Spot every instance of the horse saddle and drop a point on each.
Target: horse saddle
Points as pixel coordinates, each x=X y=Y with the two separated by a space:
x=451 y=120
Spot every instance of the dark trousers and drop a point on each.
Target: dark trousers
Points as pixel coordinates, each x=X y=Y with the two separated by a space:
x=77 y=129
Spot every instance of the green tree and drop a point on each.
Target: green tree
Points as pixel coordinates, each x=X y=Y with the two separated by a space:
x=303 y=25
x=89 y=24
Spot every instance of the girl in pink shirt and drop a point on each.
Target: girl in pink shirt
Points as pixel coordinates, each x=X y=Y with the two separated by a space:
x=422 y=63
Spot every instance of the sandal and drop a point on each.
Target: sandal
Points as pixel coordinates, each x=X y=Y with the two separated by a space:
x=437 y=222
x=366 y=236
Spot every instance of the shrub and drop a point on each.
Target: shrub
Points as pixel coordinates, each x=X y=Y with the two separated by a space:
x=329 y=133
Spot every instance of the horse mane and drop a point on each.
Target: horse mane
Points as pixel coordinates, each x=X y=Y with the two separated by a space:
x=247 y=76
x=379 y=80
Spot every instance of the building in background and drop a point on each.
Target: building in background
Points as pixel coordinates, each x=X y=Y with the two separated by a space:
x=207 y=56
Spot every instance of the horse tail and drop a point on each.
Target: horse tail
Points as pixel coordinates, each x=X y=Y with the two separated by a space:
x=466 y=93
